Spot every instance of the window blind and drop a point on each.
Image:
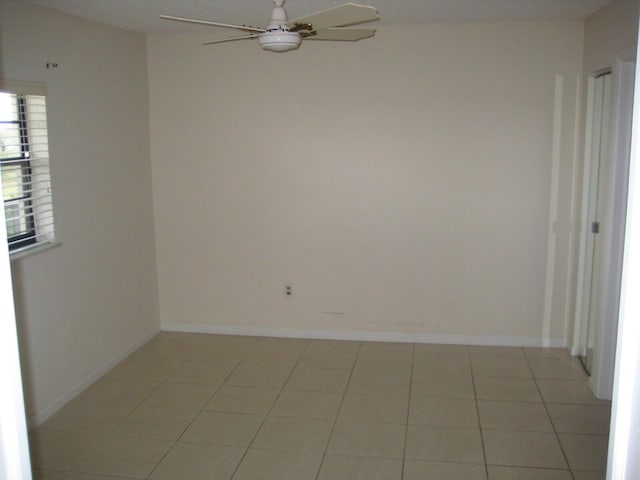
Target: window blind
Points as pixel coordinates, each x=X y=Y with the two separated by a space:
x=24 y=161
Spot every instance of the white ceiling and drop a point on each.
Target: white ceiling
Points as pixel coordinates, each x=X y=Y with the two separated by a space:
x=142 y=15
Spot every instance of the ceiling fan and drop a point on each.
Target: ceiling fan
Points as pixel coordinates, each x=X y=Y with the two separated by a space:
x=282 y=34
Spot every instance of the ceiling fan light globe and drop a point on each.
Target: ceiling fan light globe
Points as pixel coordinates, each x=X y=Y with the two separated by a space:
x=279 y=41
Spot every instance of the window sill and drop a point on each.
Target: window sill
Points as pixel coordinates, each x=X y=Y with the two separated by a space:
x=34 y=249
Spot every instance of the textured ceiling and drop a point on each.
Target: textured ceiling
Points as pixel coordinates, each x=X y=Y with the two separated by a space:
x=142 y=15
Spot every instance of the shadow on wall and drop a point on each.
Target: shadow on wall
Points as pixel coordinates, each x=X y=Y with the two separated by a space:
x=23 y=334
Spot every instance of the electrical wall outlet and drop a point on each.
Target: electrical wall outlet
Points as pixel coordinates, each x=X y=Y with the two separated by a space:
x=288 y=289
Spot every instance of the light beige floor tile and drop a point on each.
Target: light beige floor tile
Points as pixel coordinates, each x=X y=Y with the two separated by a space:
x=57 y=450
x=302 y=404
x=275 y=351
x=298 y=434
x=442 y=386
x=39 y=474
x=383 y=360
x=367 y=439
x=124 y=457
x=145 y=369
x=117 y=393
x=514 y=416
x=591 y=419
x=243 y=400
x=519 y=473
x=444 y=444
x=523 y=449
x=184 y=339
x=372 y=381
x=156 y=422
x=188 y=396
x=268 y=359
x=536 y=352
x=376 y=408
x=89 y=476
x=332 y=346
x=568 y=391
x=484 y=351
x=200 y=372
x=145 y=416
x=394 y=348
x=84 y=416
x=342 y=467
x=238 y=343
x=585 y=452
x=318 y=379
x=256 y=375
x=278 y=465
x=163 y=347
x=337 y=362
x=443 y=412
x=507 y=389
x=234 y=429
x=222 y=348
x=371 y=350
x=557 y=368
x=442 y=364
x=228 y=357
x=577 y=475
x=198 y=462
x=278 y=344
x=440 y=349
x=329 y=354
x=421 y=470
x=498 y=366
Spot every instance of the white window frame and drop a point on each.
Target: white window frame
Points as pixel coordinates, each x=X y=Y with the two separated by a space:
x=38 y=183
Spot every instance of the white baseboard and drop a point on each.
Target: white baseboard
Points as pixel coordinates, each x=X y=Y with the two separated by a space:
x=364 y=336
x=38 y=418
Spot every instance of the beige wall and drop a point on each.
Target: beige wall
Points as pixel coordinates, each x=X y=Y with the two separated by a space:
x=404 y=182
x=404 y=185
x=83 y=303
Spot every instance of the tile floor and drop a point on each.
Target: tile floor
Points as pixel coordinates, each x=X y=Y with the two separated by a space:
x=195 y=407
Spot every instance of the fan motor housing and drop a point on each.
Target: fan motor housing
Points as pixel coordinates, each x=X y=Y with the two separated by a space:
x=279 y=40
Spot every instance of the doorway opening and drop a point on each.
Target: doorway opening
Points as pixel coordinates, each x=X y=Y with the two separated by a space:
x=604 y=197
x=598 y=114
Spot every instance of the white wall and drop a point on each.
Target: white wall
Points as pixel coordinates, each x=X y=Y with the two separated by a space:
x=405 y=181
x=14 y=446
x=82 y=304
x=624 y=447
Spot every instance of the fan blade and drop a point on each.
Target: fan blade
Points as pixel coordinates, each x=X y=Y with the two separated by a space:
x=341 y=34
x=213 y=24
x=231 y=39
x=347 y=14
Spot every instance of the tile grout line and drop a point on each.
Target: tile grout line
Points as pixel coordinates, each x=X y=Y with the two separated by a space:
x=247 y=350
x=175 y=442
x=335 y=421
x=546 y=409
x=475 y=398
x=275 y=400
x=137 y=405
x=406 y=426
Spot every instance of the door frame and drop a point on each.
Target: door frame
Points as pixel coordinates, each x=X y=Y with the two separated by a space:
x=614 y=211
x=612 y=225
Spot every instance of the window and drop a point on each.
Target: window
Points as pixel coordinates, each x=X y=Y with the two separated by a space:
x=24 y=162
